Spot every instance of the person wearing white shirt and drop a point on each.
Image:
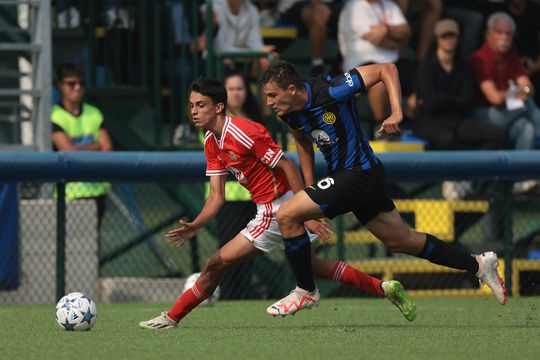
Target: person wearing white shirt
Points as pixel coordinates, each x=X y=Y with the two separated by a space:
x=372 y=31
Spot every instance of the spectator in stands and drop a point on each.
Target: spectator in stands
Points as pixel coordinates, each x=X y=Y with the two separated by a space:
x=445 y=91
x=239 y=29
x=78 y=126
x=67 y=14
x=470 y=19
x=504 y=89
x=317 y=16
x=527 y=37
x=372 y=32
x=427 y=12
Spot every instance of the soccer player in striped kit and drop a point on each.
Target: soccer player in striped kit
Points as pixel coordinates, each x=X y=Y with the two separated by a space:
x=322 y=110
x=246 y=149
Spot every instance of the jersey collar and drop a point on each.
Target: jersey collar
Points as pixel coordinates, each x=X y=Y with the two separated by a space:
x=221 y=140
x=309 y=97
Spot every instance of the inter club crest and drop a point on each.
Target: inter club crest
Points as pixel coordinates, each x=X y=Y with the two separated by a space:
x=329 y=118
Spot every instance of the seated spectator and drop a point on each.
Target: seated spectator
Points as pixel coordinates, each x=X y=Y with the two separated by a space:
x=317 y=16
x=468 y=14
x=78 y=126
x=239 y=29
x=504 y=89
x=527 y=37
x=426 y=13
x=372 y=31
x=445 y=91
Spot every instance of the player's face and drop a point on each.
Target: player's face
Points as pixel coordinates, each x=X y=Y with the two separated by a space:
x=72 y=88
x=236 y=92
x=281 y=100
x=203 y=110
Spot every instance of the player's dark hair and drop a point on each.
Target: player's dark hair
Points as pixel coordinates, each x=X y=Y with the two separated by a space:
x=250 y=106
x=67 y=70
x=283 y=74
x=214 y=89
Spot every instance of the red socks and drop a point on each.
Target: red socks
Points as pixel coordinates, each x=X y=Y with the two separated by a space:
x=345 y=274
x=187 y=302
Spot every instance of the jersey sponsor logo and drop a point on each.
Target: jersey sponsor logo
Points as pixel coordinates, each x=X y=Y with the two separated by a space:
x=233 y=155
x=267 y=158
x=325 y=183
x=348 y=79
x=322 y=138
x=238 y=174
x=329 y=118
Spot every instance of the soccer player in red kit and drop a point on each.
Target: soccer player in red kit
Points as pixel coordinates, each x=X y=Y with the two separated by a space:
x=246 y=149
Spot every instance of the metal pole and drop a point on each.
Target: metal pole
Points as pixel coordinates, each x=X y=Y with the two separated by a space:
x=158 y=117
x=209 y=40
x=508 y=234
x=60 y=240
x=42 y=132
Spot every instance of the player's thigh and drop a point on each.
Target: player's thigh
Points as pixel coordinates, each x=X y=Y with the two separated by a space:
x=236 y=251
x=389 y=228
x=299 y=208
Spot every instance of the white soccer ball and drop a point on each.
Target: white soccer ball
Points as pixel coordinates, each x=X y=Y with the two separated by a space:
x=76 y=312
x=190 y=281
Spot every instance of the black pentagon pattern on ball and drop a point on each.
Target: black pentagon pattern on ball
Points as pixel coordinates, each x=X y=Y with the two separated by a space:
x=88 y=316
x=68 y=326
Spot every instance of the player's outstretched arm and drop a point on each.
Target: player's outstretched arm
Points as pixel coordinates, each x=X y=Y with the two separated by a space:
x=213 y=203
x=388 y=74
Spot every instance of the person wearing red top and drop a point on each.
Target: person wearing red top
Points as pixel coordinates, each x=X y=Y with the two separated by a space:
x=504 y=95
x=246 y=149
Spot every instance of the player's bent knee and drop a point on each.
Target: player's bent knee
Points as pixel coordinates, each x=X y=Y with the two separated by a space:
x=216 y=264
x=399 y=241
x=283 y=216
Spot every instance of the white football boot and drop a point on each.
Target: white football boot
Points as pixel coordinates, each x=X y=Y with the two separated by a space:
x=297 y=300
x=487 y=273
x=162 y=322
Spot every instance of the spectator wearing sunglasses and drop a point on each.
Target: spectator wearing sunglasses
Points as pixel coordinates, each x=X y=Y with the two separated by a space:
x=78 y=126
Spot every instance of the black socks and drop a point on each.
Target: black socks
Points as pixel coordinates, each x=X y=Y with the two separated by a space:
x=298 y=253
x=441 y=253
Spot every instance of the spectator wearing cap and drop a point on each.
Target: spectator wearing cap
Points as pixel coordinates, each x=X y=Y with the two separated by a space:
x=445 y=93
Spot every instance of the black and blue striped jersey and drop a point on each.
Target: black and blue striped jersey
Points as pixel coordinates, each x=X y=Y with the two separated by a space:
x=331 y=120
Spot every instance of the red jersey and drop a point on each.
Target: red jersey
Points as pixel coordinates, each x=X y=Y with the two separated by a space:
x=488 y=65
x=247 y=150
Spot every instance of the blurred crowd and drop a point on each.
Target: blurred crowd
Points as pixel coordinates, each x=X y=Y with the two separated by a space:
x=469 y=69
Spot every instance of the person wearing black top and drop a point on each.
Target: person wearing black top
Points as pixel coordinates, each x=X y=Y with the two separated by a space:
x=445 y=93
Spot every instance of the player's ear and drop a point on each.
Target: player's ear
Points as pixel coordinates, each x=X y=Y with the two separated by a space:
x=219 y=108
x=291 y=89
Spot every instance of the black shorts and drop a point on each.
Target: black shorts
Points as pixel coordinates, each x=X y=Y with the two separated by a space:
x=361 y=191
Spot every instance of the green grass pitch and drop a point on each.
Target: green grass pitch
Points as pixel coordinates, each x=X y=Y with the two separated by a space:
x=454 y=328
